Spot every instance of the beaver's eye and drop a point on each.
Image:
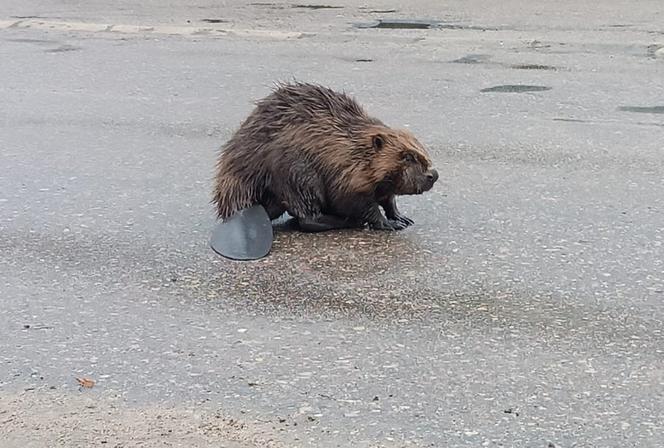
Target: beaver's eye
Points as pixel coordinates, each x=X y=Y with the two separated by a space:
x=409 y=158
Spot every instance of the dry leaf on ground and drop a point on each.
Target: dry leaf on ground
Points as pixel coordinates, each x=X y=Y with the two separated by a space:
x=85 y=382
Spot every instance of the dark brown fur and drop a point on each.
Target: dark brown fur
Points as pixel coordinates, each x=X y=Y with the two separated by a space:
x=317 y=154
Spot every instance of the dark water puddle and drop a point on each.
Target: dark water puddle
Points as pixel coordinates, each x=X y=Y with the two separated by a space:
x=515 y=88
x=267 y=5
x=452 y=26
x=643 y=109
x=31 y=41
x=472 y=59
x=63 y=49
x=606 y=122
x=317 y=7
x=402 y=24
x=214 y=20
x=533 y=67
x=355 y=59
x=406 y=24
x=571 y=120
x=485 y=58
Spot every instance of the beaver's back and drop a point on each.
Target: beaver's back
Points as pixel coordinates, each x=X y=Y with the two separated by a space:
x=306 y=103
x=296 y=124
x=295 y=113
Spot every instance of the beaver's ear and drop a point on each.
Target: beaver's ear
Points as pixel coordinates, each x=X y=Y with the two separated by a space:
x=378 y=142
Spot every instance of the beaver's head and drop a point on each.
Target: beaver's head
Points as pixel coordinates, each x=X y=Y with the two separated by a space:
x=401 y=162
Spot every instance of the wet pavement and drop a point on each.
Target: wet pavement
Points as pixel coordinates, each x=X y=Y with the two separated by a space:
x=523 y=308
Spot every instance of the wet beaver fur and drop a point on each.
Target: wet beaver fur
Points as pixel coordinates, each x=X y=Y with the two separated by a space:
x=318 y=155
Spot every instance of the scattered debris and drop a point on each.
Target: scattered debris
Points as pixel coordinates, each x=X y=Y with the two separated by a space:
x=86 y=382
x=537 y=44
x=655 y=51
x=37 y=327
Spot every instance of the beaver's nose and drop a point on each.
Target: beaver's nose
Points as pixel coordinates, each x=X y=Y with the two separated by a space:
x=432 y=175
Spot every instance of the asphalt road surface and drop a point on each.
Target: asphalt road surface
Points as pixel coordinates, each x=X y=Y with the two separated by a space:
x=523 y=309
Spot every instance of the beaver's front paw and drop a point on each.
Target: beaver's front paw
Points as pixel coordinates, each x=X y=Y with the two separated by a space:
x=398 y=225
x=403 y=219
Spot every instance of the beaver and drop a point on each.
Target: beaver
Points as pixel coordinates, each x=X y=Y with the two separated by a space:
x=316 y=154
